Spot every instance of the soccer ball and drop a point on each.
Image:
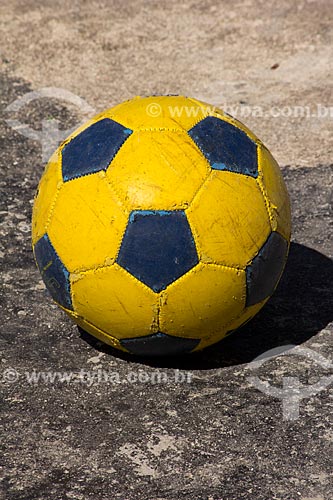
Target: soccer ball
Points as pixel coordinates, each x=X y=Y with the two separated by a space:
x=161 y=225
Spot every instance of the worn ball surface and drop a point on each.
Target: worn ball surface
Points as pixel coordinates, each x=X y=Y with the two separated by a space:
x=161 y=225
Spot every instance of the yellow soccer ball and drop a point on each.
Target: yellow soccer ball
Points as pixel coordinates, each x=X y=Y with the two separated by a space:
x=161 y=225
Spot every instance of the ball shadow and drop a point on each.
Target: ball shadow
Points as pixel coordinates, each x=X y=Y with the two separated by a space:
x=300 y=308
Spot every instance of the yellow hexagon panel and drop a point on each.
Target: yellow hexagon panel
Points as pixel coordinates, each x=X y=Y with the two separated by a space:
x=94 y=220
x=229 y=219
x=46 y=194
x=273 y=184
x=203 y=301
x=158 y=112
x=158 y=170
x=115 y=302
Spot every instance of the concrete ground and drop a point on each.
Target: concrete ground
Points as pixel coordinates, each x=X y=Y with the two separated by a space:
x=214 y=435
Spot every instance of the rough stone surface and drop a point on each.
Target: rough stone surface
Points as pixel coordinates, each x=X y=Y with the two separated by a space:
x=214 y=437
x=240 y=54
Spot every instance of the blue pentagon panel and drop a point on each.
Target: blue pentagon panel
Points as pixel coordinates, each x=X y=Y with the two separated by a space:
x=225 y=146
x=54 y=273
x=159 y=344
x=263 y=274
x=93 y=149
x=157 y=247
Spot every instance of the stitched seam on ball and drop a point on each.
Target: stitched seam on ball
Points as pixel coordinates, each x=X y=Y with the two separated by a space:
x=112 y=260
x=204 y=109
x=238 y=270
x=160 y=129
x=162 y=300
x=197 y=149
x=225 y=329
x=272 y=219
x=121 y=199
x=83 y=270
x=201 y=186
x=178 y=131
x=234 y=267
x=79 y=316
x=244 y=290
x=204 y=112
x=122 y=269
x=200 y=266
x=155 y=325
x=197 y=238
x=52 y=206
x=87 y=125
x=116 y=341
x=202 y=156
x=127 y=212
x=226 y=326
x=262 y=188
